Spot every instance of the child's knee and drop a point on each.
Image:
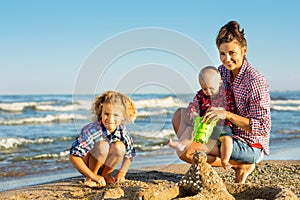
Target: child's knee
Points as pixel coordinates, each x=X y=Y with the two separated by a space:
x=100 y=150
x=117 y=149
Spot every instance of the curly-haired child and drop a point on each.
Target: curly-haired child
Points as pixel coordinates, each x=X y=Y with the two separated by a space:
x=105 y=142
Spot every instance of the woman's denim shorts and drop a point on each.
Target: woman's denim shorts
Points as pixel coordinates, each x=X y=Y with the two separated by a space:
x=242 y=152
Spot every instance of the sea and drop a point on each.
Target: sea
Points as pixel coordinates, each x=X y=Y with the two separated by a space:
x=36 y=132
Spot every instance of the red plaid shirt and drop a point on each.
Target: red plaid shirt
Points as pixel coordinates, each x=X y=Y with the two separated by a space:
x=201 y=103
x=252 y=100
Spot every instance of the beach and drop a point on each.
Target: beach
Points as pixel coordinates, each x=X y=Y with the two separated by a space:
x=267 y=181
x=36 y=132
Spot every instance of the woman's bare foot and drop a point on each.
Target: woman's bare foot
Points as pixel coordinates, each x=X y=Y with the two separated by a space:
x=176 y=145
x=242 y=171
x=226 y=165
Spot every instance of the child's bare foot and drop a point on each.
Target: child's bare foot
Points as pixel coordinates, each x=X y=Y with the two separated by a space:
x=120 y=177
x=242 y=171
x=109 y=179
x=176 y=145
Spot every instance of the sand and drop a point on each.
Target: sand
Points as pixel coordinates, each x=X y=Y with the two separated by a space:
x=269 y=180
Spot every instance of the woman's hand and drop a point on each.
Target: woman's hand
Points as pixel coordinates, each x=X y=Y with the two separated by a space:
x=214 y=114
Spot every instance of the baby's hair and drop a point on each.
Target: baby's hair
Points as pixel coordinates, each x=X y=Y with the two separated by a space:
x=206 y=69
x=229 y=32
x=128 y=108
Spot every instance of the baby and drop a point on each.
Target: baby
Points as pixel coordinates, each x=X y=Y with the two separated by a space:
x=211 y=96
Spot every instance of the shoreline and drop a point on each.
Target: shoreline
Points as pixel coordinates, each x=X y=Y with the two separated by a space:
x=268 y=173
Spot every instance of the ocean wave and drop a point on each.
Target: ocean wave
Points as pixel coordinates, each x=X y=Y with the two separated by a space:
x=20 y=106
x=141 y=147
x=285 y=108
x=167 y=102
x=285 y=102
x=285 y=105
x=50 y=155
x=44 y=119
x=13 y=142
x=44 y=106
x=165 y=133
x=143 y=113
x=61 y=156
x=60 y=108
x=284 y=131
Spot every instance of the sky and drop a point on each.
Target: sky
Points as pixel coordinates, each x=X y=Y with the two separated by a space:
x=66 y=47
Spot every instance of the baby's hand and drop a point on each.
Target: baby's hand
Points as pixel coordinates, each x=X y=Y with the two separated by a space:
x=214 y=114
x=193 y=115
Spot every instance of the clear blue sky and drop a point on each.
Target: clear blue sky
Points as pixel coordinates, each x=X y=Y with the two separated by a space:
x=43 y=44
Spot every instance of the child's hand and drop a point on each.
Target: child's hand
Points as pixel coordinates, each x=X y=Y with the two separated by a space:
x=100 y=180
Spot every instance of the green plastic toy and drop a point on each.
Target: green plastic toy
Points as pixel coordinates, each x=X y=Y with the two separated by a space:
x=202 y=131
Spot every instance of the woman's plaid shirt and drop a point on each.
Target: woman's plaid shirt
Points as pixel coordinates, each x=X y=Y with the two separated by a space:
x=252 y=99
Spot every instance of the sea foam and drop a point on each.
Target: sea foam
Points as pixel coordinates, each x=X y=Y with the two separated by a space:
x=285 y=105
x=167 y=102
x=44 y=106
x=45 y=119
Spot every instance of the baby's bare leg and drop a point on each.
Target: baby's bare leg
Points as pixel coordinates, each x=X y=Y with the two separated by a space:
x=226 y=150
x=180 y=122
x=183 y=141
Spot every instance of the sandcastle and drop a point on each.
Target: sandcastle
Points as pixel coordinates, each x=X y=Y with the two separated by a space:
x=202 y=180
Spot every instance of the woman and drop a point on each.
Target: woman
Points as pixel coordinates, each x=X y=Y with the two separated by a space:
x=252 y=120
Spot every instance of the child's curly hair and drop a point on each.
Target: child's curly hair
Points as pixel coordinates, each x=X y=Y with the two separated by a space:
x=129 y=111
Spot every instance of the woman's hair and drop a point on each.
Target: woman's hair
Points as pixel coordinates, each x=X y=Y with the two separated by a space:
x=229 y=32
x=127 y=105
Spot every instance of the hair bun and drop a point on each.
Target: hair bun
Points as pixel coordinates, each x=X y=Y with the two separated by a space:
x=229 y=32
